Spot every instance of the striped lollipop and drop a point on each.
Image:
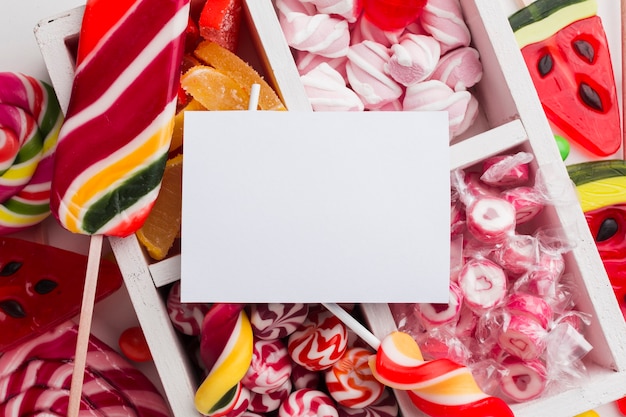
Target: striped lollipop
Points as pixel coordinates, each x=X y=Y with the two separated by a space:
x=226 y=350
x=439 y=387
x=113 y=145
x=30 y=119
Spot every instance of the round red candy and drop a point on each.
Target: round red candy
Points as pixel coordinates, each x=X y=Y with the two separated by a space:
x=133 y=345
x=392 y=14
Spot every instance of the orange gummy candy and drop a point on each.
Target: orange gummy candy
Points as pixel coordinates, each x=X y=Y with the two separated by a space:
x=213 y=89
x=179 y=119
x=229 y=63
x=163 y=223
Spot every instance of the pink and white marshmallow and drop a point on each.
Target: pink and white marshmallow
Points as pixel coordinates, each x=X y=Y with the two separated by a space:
x=459 y=69
x=490 y=219
x=367 y=75
x=364 y=30
x=483 y=284
x=319 y=33
x=348 y=9
x=306 y=61
x=327 y=91
x=434 y=95
x=523 y=380
x=443 y=19
x=413 y=59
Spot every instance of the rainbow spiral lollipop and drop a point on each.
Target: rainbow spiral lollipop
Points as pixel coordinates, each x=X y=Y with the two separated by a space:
x=30 y=119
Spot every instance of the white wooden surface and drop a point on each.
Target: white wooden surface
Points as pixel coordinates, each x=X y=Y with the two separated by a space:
x=514 y=118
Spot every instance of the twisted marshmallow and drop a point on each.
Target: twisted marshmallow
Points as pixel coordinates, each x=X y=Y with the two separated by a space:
x=317 y=33
x=327 y=90
x=443 y=19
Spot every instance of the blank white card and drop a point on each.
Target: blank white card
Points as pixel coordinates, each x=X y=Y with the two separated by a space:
x=316 y=207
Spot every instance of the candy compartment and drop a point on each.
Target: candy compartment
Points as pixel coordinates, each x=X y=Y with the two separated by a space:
x=511 y=120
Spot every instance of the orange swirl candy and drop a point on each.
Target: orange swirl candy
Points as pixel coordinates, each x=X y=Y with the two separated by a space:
x=114 y=143
x=439 y=388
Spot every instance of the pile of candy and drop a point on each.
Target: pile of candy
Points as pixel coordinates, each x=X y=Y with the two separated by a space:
x=293 y=359
x=348 y=62
x=511 y=314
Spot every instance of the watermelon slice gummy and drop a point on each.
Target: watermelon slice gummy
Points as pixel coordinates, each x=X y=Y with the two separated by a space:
x=42 y=286
x=565 y=48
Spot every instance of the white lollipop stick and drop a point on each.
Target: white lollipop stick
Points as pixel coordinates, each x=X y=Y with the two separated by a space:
x=354 y=325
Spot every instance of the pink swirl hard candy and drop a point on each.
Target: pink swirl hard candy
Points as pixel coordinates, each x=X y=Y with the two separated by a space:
x=483 y=284
x=308 y=403
x=523 y=337
x=443 y=19
x=276 y=320
x=459 y=69
x=270 y=367
x=434 y=315
x=530 y=306
x=186 y=317
x=527 y=202
x=265 y=403
x=523 y=380
x=367 y=75
x=518 y=254
x=350 y=380
x=490 y=219
x=319 y=342
x=327 y=90
x=385 y=406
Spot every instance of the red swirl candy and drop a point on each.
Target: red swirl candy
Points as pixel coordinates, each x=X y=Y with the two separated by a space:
x=319 y=342
x=265 y=403
x=308 y=403
x=350 y=380
x=186 y=317
x=276 y=320
x=270 y=367
x=385 y=406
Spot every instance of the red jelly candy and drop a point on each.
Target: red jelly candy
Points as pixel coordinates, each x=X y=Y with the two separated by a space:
x=621 y=405
x=134 y=346
x=393 y=14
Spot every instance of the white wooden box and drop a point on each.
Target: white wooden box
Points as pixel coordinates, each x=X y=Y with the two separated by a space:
x=511 y=119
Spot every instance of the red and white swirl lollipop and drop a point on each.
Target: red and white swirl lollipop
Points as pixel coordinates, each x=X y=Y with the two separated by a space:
x=270 y=367
x=35 y=380
x=30 y=119
x=276 y=320
x=308 y=403
x=350 y=380
x=185 y=317
x=385 y=406
x=319 y=342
